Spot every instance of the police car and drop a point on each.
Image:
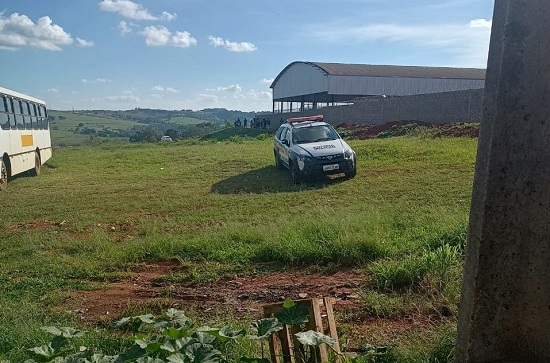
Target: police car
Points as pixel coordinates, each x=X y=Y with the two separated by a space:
x=309 y=147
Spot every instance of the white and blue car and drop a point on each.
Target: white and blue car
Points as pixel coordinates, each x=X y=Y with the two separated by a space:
x=310 y=147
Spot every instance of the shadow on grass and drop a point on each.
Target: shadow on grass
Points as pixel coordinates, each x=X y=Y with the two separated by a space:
x=269 y=180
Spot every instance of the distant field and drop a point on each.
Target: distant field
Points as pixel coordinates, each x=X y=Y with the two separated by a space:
x=62 y=128
x=219 y=210
x=185 y=121
x=72 y=120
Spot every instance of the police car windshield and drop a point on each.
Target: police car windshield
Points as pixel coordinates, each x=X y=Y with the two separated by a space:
x=305 y=135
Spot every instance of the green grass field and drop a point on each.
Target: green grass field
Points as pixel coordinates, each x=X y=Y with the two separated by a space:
x=65 y=122
x=223 y=207
x=185 y=121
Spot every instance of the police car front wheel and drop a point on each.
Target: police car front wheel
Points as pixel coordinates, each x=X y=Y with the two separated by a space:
x=294 y=175
x=278 y=164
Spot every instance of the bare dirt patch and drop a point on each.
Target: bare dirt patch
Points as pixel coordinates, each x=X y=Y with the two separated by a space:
x=243 y=297
x=236 y=296
x=399 y=128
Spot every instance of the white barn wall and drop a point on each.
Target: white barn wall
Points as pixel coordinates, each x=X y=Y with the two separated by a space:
x=300 y=79
x=397 y=86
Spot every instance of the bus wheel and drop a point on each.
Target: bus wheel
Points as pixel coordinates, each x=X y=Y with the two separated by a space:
x=37 y=164
x=3 y=176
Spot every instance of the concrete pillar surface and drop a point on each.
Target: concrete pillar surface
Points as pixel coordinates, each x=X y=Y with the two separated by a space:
x=505 y=303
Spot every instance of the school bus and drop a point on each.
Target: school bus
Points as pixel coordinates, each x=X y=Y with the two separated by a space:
x=25 y=142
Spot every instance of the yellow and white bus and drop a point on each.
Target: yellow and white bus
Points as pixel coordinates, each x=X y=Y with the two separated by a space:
x=25 y=142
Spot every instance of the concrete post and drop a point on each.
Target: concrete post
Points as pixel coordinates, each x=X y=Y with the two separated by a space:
x=505 y=307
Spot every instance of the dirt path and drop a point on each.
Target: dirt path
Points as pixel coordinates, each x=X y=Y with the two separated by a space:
x=237 y=295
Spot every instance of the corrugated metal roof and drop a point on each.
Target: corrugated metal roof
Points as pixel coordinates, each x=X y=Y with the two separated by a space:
x=370 y=70
x=341 y=69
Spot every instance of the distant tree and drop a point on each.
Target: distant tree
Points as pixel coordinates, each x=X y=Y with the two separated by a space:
x=174 y=134
x=146 y=135
x=81 y=124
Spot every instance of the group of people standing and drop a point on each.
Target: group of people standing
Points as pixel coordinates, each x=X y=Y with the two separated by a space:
x=254 y=123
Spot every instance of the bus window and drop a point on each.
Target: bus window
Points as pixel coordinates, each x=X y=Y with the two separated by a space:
x=9 y=107
x=4 y=117
x=19 y=109
x=34 y=119
x=26 y=115
x=17 y=114
x=42 y=112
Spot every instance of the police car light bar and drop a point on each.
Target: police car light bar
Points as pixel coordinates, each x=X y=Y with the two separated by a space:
x=305 y=119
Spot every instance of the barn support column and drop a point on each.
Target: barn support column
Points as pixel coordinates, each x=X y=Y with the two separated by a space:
x=505 y=302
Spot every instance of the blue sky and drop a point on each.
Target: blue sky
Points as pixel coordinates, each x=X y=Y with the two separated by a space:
x=196 y=54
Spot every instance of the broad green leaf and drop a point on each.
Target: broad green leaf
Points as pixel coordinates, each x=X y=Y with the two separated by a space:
x=293 y=315
x=153 y=347
x=136 y=321
x=203 y=338
x=175 y=333
x=44 y=351
x=227 y=333
x=254 y=360
x=224 y=334
x=263 y=328
x=174 y=318
x=65 y=332
x=177 y=358
x=59 y=342
x=101 y=358
x=200 y=353
x=141 y=343
x=52 y=330
x=122 y=322
x=147 y=318
x=315 y=338
x=131 y=354
x=288 y=303
x=149 y=360
x=173 y=346
x=208 y=330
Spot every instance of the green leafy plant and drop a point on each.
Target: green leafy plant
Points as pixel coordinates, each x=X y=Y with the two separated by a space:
x=173 y=338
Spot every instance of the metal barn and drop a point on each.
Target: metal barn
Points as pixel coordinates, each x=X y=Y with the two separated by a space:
x=309 y=85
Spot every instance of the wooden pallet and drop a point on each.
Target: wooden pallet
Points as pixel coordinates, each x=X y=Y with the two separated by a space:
x=285 y=346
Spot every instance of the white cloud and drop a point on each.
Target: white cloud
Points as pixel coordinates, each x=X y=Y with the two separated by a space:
x=125 y=98
x=164 y=89
x=480 y=23
x=468 y=44
x=232 y=46
x=125 y=27
x=234 y=88
x=127 y=9
x=167 y=16
x=97 y=80
x=53 y=90
x=259 y=94
x=18 y=31
x=201 y=97
x=268 y=81
x=84 y=43
x=132 y=10
x=157 y=36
